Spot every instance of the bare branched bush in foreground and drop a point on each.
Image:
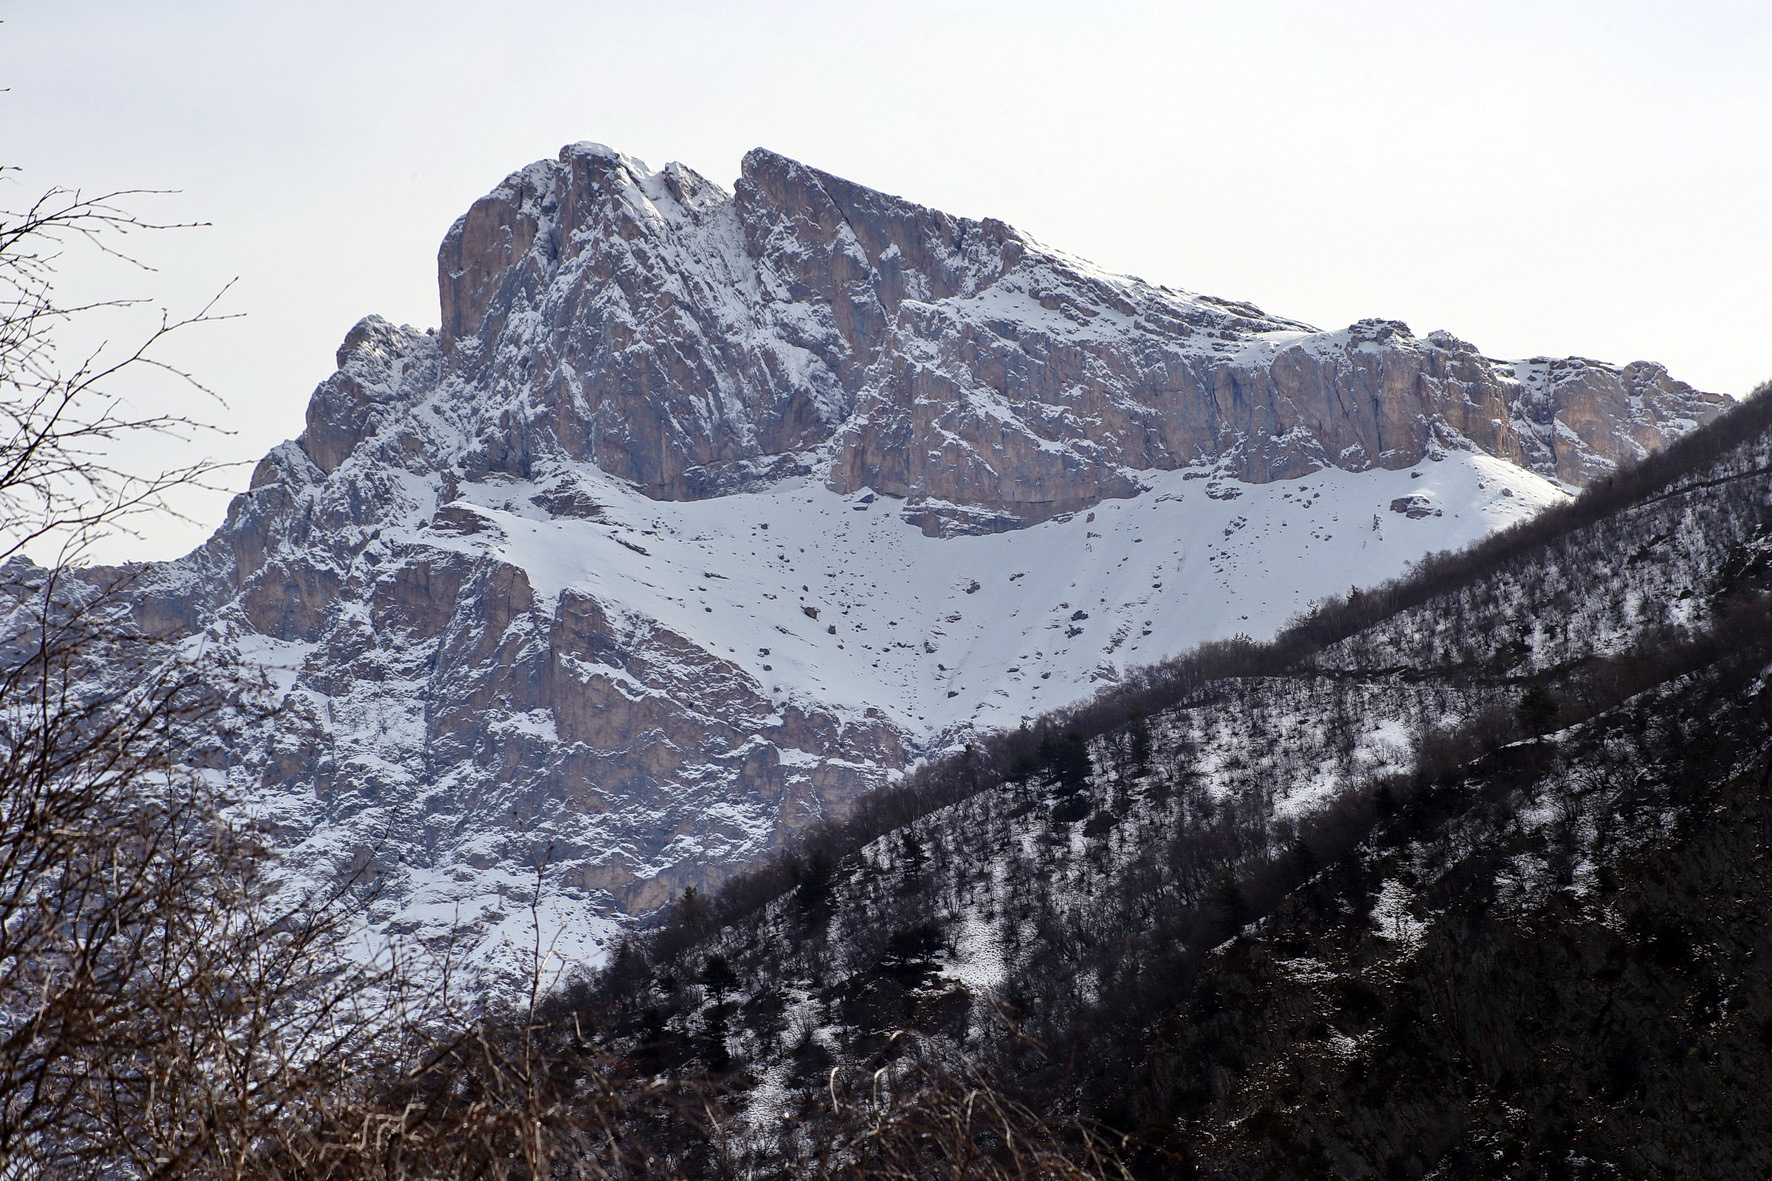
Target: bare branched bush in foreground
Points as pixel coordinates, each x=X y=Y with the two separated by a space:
x=165 y=1003
x=159 y=995
x=928 y=1115
x=168 y=1008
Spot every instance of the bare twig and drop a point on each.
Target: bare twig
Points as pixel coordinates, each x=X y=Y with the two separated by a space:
x=60 y=424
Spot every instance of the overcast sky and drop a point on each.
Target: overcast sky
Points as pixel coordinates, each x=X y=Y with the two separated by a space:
x=1586 y=178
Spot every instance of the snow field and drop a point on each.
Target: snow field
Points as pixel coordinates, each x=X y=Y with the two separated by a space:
x=837 y=600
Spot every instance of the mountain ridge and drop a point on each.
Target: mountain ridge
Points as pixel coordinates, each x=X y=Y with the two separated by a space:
x=869 y=281
x=670 y=542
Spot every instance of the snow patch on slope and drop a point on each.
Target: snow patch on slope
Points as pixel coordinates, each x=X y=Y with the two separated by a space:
x=838 y=600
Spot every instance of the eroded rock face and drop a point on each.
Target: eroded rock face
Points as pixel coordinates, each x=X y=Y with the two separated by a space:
x=691 y=341
x=453 y=721
x=619 y=316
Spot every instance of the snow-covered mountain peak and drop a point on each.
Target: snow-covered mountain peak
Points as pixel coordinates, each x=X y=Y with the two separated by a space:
x=692 y=340
x=704 y=512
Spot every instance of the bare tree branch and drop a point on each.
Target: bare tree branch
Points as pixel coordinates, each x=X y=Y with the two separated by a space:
x=60 y=424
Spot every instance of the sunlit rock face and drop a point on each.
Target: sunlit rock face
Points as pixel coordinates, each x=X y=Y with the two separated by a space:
x=704 y=512
x=689 y=340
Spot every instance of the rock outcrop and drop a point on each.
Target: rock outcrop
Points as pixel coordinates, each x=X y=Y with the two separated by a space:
x=691 y=341
x=495 y=649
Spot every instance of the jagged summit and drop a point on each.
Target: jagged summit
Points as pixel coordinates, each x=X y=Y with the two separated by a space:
x=688 y=340
x=704 y=512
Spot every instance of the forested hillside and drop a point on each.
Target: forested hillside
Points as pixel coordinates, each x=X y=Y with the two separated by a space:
x=1461 y=877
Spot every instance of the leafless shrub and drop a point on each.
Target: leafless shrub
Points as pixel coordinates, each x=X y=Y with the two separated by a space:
x=172 y=1006
x=60 y=424
x=929 y=1113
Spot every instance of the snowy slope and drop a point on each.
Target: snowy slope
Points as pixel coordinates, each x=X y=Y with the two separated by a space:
x=812 y=603
x=838 y=601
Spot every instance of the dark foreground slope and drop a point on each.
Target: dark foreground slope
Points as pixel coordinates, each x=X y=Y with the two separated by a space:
x=1463 y=877
x=1549 y=963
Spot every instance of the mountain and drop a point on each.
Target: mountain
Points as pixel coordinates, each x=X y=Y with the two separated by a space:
x=704 y=515
x=1463 y=876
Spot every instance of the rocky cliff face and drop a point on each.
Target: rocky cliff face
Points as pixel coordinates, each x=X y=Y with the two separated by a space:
x=688 y=340
x=667 y=542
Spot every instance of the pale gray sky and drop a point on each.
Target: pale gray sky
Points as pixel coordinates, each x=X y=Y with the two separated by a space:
x=1551 y=177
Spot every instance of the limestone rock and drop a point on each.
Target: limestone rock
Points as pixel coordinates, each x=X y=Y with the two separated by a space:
x=472 y=709
x=695 y=342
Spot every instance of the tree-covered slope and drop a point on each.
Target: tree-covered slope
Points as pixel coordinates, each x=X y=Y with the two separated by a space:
x=1460 y=875
x=1551 y=962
